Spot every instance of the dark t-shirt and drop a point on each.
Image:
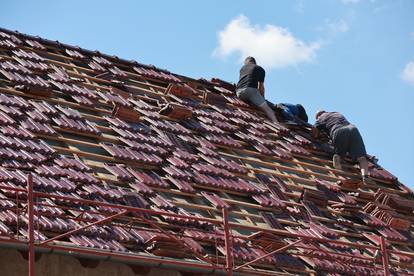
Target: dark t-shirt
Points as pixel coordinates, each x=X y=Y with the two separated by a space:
x=250 y=76
x=330 y=121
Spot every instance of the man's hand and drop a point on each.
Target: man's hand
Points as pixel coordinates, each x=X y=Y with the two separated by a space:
x=261 y=89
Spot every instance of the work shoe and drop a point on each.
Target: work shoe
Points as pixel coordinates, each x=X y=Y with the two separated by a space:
x=336 y=160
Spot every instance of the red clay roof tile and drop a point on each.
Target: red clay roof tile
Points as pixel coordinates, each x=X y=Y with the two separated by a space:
x=99 y=136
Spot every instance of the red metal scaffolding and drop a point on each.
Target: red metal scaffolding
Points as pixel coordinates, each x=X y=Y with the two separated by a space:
x=229 y=264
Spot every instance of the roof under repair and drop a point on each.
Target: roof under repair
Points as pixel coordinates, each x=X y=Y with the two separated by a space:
x=154 y=167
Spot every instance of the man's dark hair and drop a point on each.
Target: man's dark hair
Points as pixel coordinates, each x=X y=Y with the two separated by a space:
x=302 y=113
x=250 y=60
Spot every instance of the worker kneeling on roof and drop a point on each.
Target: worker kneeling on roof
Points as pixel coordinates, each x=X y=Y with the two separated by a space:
x=250 y=87
x=291 y=112
x=345 y=137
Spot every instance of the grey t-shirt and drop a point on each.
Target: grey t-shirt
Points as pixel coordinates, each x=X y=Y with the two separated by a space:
x=330 y=121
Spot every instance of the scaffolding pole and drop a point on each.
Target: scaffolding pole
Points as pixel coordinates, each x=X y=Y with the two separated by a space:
x=385 y=256
x=229 y=266
x=227 y=243
x=31 y=225
x=284 y=248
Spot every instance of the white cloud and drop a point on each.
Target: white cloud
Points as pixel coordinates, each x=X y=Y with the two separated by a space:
x=408 y=73
x=272 y=46
x=412 y=35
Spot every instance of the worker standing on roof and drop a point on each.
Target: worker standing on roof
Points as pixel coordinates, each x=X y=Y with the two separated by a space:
x=345 y=137
x=250 y=87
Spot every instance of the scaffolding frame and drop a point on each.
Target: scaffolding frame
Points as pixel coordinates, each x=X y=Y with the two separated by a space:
x=229 y=264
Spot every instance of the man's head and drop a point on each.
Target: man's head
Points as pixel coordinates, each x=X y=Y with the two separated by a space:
x=319 y=113
x=250 y=60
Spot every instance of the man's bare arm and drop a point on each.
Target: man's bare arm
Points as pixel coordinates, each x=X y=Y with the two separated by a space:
x=315 y=132
x=261 y=88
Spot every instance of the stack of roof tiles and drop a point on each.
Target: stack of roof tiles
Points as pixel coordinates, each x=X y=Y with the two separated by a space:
x=91 y=126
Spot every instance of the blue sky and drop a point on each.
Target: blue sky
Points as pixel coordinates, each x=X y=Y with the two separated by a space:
x=352 y=56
